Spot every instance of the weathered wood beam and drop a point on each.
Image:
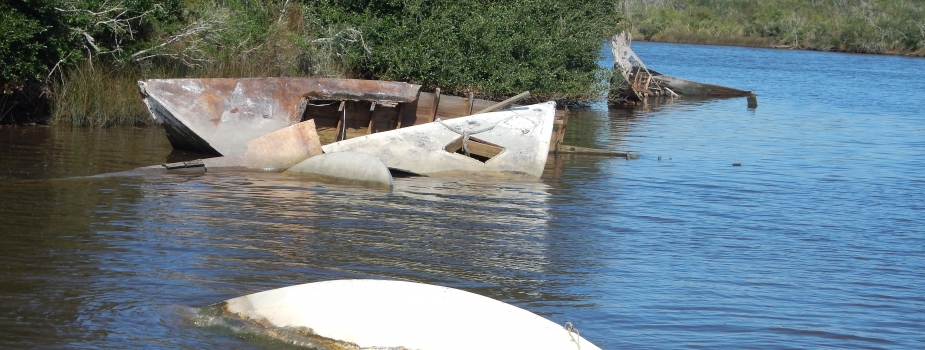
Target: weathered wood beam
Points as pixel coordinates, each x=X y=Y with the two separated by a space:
x=504 y=103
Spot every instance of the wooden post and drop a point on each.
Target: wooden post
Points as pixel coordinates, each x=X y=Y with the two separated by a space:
x=433 y=109
x=471 y=103
x=372 y=108
x=560 y=135
x=299 y=112
x=753 y=101
x=400 y=105
x=504 y=103
x=341 y=123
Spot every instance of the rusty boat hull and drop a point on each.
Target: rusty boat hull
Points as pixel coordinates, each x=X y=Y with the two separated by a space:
x=219 y=116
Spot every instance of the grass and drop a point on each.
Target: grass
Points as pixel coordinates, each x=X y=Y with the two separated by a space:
x=103 y=94
x=710 y=39
x=863 y=26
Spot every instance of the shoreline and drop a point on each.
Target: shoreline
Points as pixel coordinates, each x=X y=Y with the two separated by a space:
x=758 y=42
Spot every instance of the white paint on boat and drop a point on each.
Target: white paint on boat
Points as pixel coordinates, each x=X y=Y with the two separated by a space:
x=522 y=132
x=380 y=313
x=350 y=168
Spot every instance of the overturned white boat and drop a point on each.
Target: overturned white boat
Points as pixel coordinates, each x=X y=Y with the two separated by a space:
x=512 y=141
x=380 y=314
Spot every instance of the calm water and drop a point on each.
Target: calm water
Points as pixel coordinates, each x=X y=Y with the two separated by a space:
x=817 y=240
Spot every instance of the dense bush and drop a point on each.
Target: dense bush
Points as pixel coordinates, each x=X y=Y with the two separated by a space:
x=41 y=35
x=491 y=48
x=84 y=51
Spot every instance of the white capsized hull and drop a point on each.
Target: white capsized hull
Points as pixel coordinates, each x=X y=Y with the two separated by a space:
x=391 y=314
x=521 y=134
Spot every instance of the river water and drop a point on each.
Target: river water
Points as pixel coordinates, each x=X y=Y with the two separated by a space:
x=816 y=240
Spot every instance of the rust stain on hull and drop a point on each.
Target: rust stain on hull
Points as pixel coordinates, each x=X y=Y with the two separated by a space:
x=218 y=116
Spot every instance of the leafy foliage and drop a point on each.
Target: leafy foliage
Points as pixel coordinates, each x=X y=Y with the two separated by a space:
x=41 y=35
x=86 y=52
x=491 y=48
x=30 y=39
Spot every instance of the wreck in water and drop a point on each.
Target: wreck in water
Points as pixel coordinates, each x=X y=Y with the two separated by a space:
x=637 y=84
x=277 y=124
x=219 y=116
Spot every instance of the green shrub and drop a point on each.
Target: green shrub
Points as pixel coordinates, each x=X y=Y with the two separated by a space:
x=40 y=36
x=491 y=48
x=494 y=49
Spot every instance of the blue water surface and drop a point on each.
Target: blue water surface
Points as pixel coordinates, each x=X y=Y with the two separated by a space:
x=815 y=239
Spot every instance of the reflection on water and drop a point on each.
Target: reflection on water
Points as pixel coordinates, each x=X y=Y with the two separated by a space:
x=279 y=223
x=125 y=253
x=817 y=240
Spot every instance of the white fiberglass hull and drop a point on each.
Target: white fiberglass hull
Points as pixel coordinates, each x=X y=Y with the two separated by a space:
x=509 y=141
x=391 y=314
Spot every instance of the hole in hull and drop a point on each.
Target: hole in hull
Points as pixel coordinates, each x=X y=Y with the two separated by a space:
x=479 y=150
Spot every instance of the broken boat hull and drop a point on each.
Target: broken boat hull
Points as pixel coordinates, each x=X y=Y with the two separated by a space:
x=637 y=83
x=514 y=141
x=219 y=116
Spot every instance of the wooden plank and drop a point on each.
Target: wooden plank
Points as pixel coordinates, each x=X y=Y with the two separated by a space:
x=420 y=112
x=505 y=103
x=299 y=114
x=566 y=149
x=358 y=115
x=452 y=107
x=341 y=122
x=476 y=147
x=398 y=118
x=435 y=105
x=559 y=129
x=484 y=149
x=372 y=109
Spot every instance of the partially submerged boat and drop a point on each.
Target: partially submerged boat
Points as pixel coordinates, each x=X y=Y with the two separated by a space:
x=636 y=83
x=513 y=141
x=271 y=124
x=219 y=116
x=383 y=314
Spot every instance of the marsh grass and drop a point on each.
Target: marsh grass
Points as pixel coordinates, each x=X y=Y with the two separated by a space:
x=88 y=95
x=712 y=39
x=275 y=42
x=864 y=26
x=100 y=95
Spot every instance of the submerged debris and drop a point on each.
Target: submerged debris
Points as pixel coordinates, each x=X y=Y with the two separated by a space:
x=636 y=84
